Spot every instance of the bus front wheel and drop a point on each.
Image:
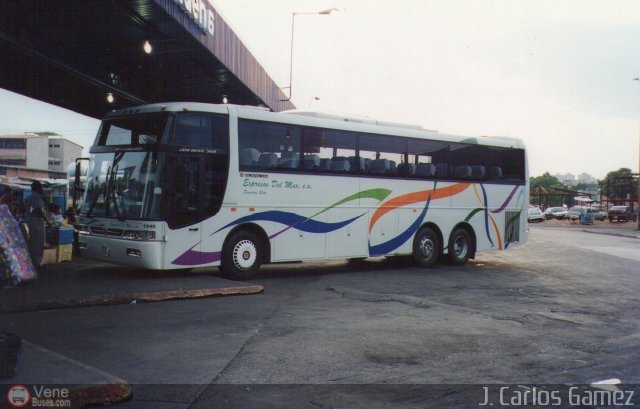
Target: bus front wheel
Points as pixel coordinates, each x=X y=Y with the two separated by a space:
x=459 y=247
x=426 y=247
x=241 y=255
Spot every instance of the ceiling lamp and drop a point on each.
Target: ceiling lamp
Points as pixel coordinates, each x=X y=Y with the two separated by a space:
x=147 y=47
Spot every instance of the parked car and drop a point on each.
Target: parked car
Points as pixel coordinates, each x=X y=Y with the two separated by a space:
x=556 y=213
x=600 y=215
x=535 y=215
x=622 y=213
x=583 y=212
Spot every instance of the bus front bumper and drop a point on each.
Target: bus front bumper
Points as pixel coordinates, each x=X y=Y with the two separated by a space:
x=133 y=253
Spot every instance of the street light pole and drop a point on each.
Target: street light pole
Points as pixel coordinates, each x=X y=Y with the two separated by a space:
x=638 y=193
x=327 y=12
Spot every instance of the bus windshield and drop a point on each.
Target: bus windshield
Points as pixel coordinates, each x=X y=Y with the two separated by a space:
x=125 y=185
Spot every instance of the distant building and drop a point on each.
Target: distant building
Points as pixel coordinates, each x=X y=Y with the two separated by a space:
x=62 y=152
x=31 y=155
x=585 y=178
x=566 y=178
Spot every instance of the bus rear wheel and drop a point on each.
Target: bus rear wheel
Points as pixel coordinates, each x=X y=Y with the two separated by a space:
x=241 y=255
x=460 y=244
x=426 y=247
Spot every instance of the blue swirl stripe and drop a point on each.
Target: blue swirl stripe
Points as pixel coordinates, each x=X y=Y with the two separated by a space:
x=389 y=246
x=292 y=220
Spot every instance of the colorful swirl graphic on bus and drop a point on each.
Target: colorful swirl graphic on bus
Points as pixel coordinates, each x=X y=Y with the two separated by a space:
x=306 y=224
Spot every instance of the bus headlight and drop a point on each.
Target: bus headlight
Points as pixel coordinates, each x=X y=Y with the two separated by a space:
x=139 y=235
x=82 y=228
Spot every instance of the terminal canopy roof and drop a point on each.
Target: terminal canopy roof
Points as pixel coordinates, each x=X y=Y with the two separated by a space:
x=73 y=53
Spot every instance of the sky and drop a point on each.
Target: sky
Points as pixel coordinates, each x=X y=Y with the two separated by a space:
x=559 y=75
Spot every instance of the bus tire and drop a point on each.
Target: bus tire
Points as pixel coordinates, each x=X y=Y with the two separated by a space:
x=460 y=247
x=241 y=255
x=426 y=247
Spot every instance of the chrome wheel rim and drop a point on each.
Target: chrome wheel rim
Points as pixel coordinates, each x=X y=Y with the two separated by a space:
x=460 y=247
x=245 y=254
x=427 y=248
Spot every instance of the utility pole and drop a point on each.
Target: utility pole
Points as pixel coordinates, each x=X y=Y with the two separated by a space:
x=638 y=193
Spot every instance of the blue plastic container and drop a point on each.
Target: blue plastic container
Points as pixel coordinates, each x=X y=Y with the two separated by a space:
x=60 y=235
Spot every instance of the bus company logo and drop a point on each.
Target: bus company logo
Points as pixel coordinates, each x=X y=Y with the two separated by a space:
x=18 y=396
x=254 y=175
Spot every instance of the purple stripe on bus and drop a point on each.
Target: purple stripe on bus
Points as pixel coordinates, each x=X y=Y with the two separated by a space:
x=192 y=258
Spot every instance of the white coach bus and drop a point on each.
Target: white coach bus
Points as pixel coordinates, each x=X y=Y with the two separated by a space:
x=182 y=185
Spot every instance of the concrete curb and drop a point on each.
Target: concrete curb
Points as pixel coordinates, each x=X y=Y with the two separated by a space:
x=100 y=395
x=104 y=300
x=605 y=233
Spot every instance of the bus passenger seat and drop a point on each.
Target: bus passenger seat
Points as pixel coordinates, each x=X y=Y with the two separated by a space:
x=462 y=172
x=268 y=160
x=478 y=172
x=289 y=160
x=406 y=169
x=356 y=164
x=325 y=163
x=311 y=161
x=249 y=156
x=442 y=170
x=379 y=166
x=426 y=169
x=340 y=163
x=495 y=173
x=392 y=167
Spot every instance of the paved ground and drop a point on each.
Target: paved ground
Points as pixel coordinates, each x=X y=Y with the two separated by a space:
x=83 y=283
x=559 y=310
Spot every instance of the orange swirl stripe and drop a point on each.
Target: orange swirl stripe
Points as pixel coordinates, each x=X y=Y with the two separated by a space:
x=416 y=197
x=495 y=226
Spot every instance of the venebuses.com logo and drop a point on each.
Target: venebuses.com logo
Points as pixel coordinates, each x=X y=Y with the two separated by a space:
x=18 y=396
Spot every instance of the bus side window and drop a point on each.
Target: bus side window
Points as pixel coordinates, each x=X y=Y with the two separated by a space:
x=468 y=162
x=429 y=158
x=506 y=165
x=267 y=146
x=385 y=154
x=330 y=151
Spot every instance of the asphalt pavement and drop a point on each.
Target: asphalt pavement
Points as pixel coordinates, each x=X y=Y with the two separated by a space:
x=86 y=283
x=83 y=283
x=382 y=333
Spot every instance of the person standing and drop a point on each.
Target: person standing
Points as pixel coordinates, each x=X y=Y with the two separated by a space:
x=6 y=198
x=36 y=217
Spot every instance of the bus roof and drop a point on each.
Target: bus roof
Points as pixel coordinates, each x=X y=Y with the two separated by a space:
x=320 y=119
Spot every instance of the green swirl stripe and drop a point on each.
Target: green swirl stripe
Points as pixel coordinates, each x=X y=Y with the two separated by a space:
x=379 y=194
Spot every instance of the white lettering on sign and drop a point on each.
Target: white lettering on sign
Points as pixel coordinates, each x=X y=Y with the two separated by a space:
x=199 y=12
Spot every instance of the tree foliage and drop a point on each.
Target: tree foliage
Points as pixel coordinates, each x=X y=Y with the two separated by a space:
x=546 y=180
x=620 y=184
x=543 y=190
